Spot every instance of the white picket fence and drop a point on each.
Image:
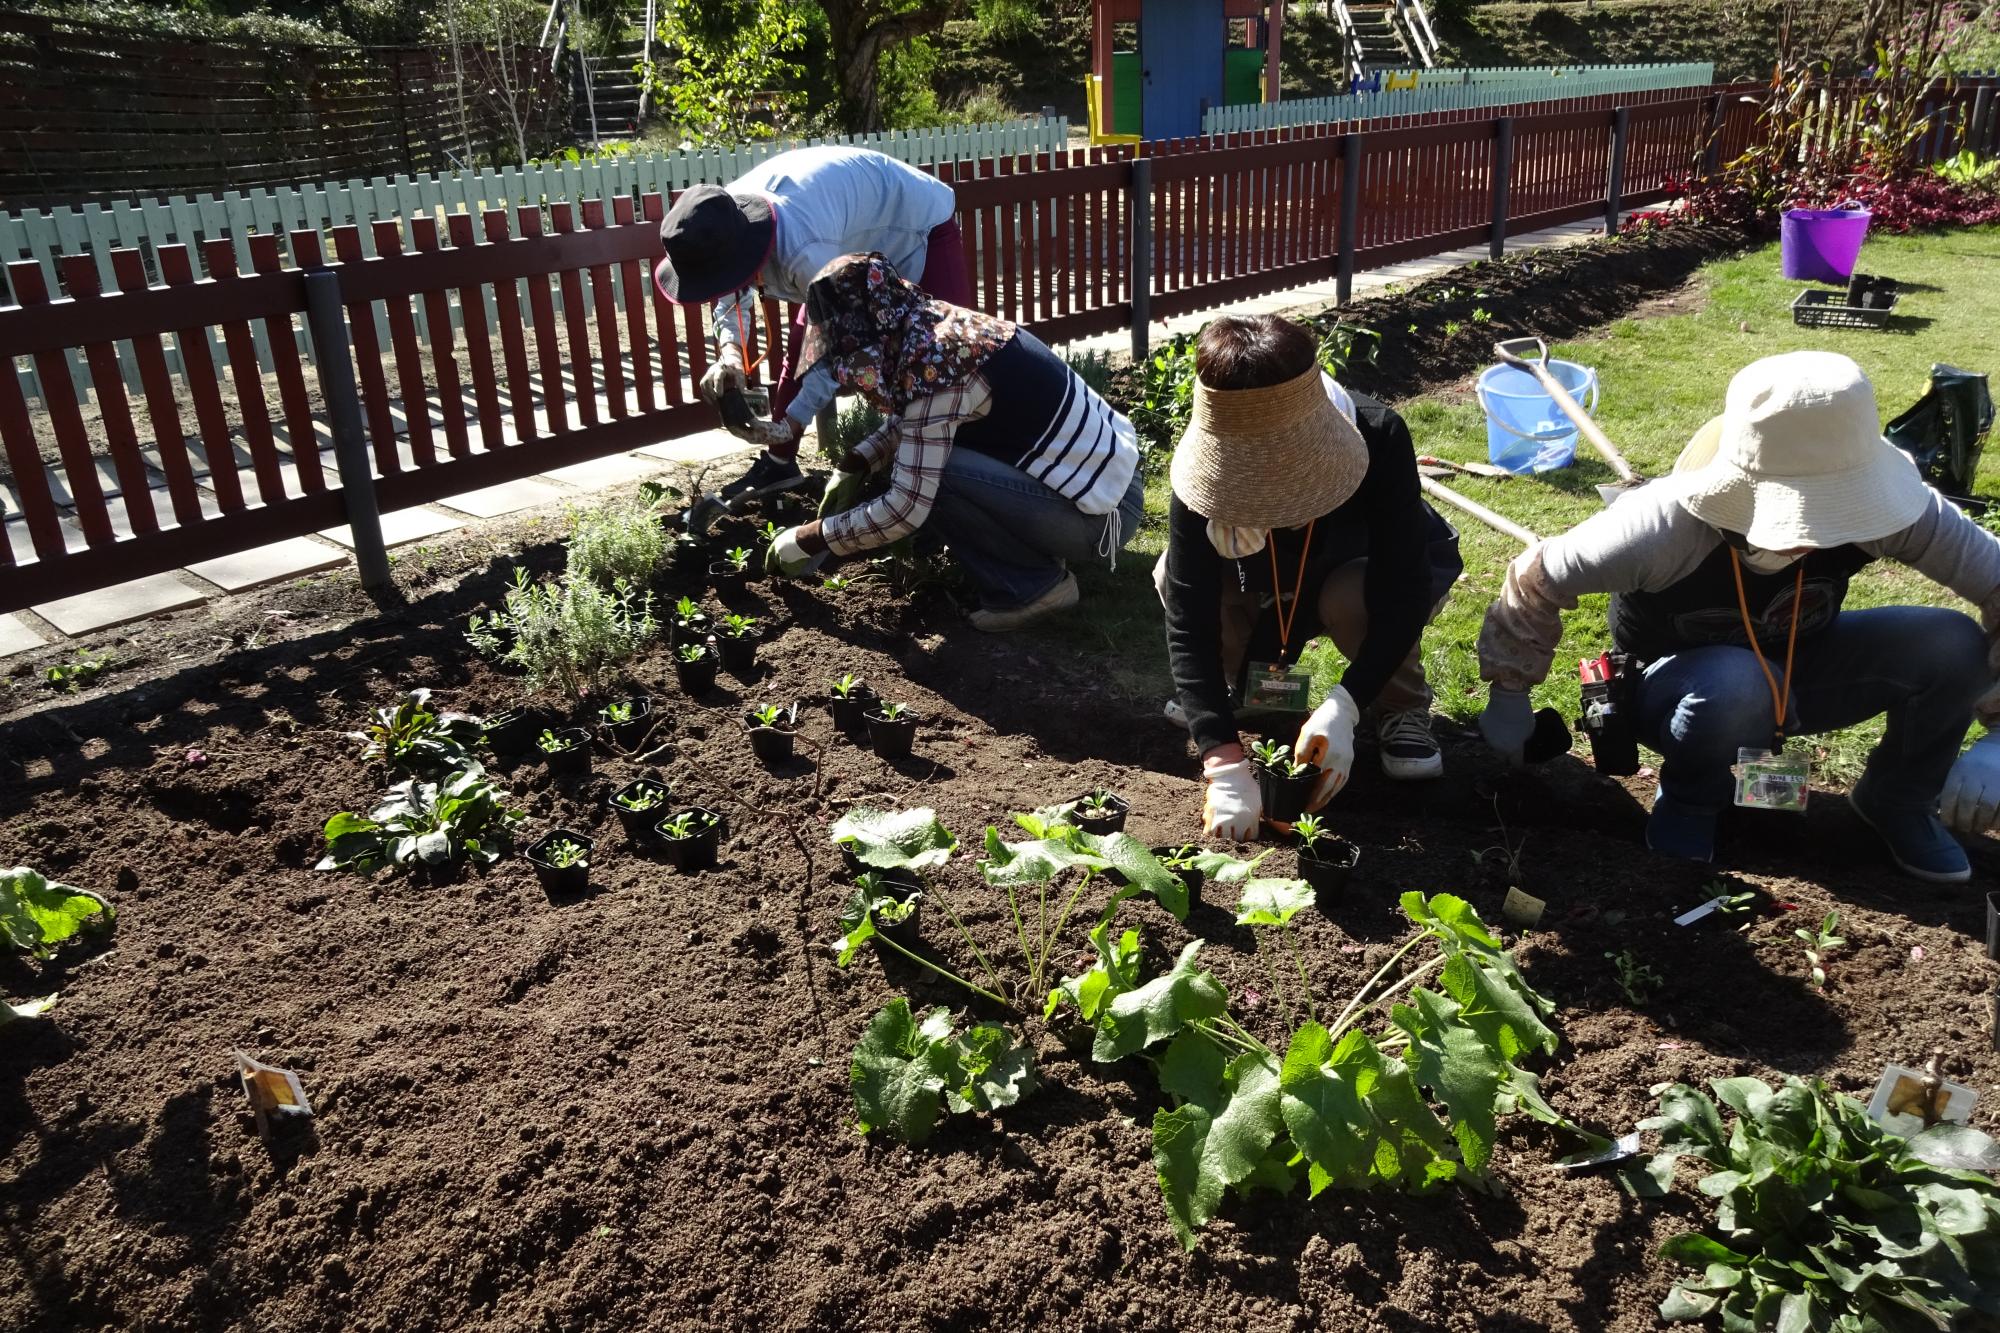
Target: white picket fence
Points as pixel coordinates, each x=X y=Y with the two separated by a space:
x=1459 y=90
x=145 y=225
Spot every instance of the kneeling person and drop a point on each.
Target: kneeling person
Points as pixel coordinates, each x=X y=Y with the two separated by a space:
x=997 y=449
x=1296 y=513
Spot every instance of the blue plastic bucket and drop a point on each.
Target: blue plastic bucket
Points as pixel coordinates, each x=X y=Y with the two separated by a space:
x=1525 y=430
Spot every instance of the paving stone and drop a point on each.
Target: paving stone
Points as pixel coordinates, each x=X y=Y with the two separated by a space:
x=17 y=637
x=506 y=498
x=401 y=528
x=703 y=448
x=22 y=546
x=107 y=481
x=599 y=474
x=120 y=604
x=269 y=564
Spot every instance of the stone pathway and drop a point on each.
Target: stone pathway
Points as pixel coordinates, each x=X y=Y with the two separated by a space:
x=295 y=557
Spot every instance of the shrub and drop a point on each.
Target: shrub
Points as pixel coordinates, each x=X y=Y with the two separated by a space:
x=567 y=633
x=618 y=540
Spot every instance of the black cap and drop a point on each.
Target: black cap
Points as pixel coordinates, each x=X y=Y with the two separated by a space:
x=715 y=244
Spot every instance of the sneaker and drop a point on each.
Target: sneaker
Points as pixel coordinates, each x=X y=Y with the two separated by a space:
x=769 y=475
x=1175 y=714
x=1681 y=830
x=1059 y=598
x=1918 y=841
x=1409 y=751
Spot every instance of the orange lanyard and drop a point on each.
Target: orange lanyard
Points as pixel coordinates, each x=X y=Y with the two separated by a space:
x=1286 y=622
x=1778 y=695
x=743 y=339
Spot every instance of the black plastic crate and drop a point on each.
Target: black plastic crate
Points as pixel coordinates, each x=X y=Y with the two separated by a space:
x=1817 y=309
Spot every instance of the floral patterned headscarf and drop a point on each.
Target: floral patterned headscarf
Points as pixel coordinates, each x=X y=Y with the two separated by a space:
x=882 y=337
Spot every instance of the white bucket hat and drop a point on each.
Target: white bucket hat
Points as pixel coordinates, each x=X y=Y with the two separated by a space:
x=1797 y=459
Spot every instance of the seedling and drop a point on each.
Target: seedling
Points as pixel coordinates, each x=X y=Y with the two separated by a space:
x=737 y=627
x=551 y=742
x=1819 y=943
x=1310 y=829
x=1451 y=328
x=1100 y=803
x=434 y=824
x=648 y=797
x=739 y=557
x=770 y=532
x=891 y=712
x=687 y=824
x=1278 y=759
x=849 y=686
x=1183 y=857
x=687 y=611
x=562 y=854
x=770 y=715
x=906 y=1073
x=691 y=652
x=1635 y=977
x=834 y=583
x=410 y=736
x=73 y=675
x=617 y=713
x=1509 y=850
x=37 y=913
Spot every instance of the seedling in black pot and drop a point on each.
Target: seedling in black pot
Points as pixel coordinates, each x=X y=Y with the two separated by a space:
x=1100 y=812
x=562 y=861
x=1284 y=783
x=694 y=668
x=892 y=730
x=729 y=573
x=736 y=644
x=689 y=556
x=690 y=624
x=627 y=720
x=513 y=732
x=772 y=731
x=1182 y=861
x=1325 y=861
x=849 y=700
x=639 y=805
x=689 y=837
x=566 y=751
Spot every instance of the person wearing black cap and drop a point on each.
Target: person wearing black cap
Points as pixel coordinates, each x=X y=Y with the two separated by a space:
x=775 y=227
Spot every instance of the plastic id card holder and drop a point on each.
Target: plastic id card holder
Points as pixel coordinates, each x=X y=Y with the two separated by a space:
x=1275 y=686
x=1771 y=781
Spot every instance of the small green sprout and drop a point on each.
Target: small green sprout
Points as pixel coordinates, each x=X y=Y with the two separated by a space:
x=848 y=686
x=563 y=853
x=691 y=652
x=1638 y=980
x=550 y=742
x=687 y=824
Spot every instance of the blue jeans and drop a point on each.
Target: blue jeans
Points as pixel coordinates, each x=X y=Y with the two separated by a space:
x=1922 y=666
x=1014 y=535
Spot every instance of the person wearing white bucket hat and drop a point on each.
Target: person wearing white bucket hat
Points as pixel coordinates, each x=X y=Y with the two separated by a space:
x=1727 y=581
x=1291 y=495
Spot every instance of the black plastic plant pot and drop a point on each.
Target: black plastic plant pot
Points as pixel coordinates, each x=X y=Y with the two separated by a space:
x=572 y=878
x=771 y=744
x=1284 y=798
x=698 y=676
x=1327 y=866
x=697 y=850
x=726 y=577
x=630 y=733
x=908 y=932
x=850 y=712
x=737 y=655
x=574 y=759
x=1111 y=822
x=514 y=733
x=689 y=558
x=892 y=738
x=638 y=824
x=688 y=631
x=1189 y=875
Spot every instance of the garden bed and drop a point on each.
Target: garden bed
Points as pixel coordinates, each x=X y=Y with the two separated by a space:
x=630 y=1108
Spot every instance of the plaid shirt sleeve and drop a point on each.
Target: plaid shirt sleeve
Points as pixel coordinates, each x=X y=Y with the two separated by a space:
x=880 y=444
x=923 y=442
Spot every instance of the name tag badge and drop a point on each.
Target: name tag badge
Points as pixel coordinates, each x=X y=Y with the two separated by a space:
x=1270 y=685
x=1767 y=781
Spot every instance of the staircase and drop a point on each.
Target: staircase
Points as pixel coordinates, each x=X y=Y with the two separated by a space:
x=1394 y=35
x=608 y=97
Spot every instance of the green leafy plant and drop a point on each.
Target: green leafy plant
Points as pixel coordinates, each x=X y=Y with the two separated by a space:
x=651 y=796
x=687 y=611
x=771 y=715
x=691 y=652
x=872 y=901
x=1340 y=344
x=718 y=85
x=687 y=824
x=848 y=686
x=1480 y=315
x=619 y=540
x=38 y=913
x=567 y=633
x=563 y=853
x=1272 y=903
x=1166 y=393
x=738 y=556
x=770 y=532
x=835 y=583
x=1099 y=802
x=1635 y=977
x=1451 y=328
x=1825 y=1220
x=891 y=712
x=550 y=742
x=1277 y=758
x=737 y=627
x=1969 y=171
x=617 y=713
x=1819 y=942
x=912 y=840
x=429 y=824
x=1310 y=828
x=78 y=672
x=906 y=1074
x=410 y=736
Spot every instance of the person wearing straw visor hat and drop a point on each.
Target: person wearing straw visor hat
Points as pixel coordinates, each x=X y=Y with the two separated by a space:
x=1296 y=512
x=1727 y=583
x=773 y=228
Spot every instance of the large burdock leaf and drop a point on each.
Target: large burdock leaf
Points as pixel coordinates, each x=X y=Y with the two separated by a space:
x=1272 y=902
x=992 y=1070
x=1037 y=862
x=1358 y=1115
x=896 y=840
x=899 y=1071
x=1456 y=1064
x=37 y=913
x=1200 y=1154
x=1143 y=871
x=1160 y=1008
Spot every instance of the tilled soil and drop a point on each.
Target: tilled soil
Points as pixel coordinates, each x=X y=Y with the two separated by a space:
x=629 y=1109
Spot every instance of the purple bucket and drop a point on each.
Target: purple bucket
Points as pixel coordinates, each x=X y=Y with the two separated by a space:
x=1821 y=244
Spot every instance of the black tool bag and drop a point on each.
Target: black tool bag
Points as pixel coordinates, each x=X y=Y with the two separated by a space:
x=1946 y=431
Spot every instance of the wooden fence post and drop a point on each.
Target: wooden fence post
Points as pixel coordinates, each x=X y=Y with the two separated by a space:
x=1614 y=193
x=1139 y=208
x=1711 y=152
x=1978 y=135
x=335 y=361
x=1503 y=176
x=1350 y=213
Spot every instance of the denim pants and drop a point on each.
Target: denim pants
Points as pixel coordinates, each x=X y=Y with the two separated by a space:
x=1924 y=667
x=1015 y=536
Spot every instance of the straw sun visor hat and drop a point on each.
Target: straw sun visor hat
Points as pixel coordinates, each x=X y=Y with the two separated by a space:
x=1797 y=459
x=715 y=244
x=1274 y=457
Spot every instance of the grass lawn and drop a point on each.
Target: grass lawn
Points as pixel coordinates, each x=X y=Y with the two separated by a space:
x=1662 y=376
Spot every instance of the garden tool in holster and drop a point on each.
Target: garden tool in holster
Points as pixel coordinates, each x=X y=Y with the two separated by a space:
x=1532 y=355
x=1607 y=721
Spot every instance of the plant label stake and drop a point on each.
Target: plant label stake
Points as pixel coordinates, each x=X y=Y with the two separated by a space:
x=1706 y=910
x=1626 y=1145
x=1909 y=1101
x=1522 y=909
x=271 y=1090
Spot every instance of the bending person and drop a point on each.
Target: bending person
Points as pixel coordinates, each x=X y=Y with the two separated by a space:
x=1291 y=495
x=773 y=228
x=1727 y=581
x=995 y=447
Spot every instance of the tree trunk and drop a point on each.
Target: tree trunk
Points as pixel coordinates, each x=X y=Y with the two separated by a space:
x=861 y=31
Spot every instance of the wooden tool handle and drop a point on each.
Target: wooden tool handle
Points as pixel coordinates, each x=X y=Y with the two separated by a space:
x=1478 y=511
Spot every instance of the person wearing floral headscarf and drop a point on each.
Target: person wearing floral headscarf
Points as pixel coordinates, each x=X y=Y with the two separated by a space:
x=996 y=448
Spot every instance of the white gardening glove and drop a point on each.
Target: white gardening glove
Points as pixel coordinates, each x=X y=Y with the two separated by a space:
x=1233 y=806
x=770 y=434
x=724 y=375
x=1327 y=739
x=1970 y=801
x=789 y=557
x=1508 y=723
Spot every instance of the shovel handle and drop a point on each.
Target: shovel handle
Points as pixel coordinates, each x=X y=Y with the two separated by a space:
x=1539 y=368
x=1479 y=511
x=1510 y=354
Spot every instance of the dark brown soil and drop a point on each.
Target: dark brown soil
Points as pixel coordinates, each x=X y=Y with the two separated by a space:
x=630 y=1110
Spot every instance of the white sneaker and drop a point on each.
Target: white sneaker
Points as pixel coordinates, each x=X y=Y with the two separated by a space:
x=1409 y=751
x=1175 y=714
x=1059 y=598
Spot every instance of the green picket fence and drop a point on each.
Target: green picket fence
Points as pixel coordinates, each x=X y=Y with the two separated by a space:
x=145 y=225
x=1441 y=90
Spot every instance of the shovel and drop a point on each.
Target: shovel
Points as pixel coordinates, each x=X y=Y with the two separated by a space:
x=1513 y=352
x=1433 y=487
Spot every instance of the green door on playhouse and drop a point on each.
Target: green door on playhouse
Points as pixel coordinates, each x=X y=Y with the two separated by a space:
x=1180 y=59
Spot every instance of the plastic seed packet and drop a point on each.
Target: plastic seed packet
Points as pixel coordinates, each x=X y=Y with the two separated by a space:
x=1768 y=781
x=271 y=1090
